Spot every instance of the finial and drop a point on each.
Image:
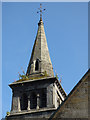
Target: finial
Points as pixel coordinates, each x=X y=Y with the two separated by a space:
x=41 y=11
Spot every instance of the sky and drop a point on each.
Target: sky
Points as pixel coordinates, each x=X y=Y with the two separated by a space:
x=66 y=29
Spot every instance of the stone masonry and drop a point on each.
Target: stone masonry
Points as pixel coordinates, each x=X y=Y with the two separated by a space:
x=40 y=52
x=76 y=104
x=40 y=94
x=52 y=100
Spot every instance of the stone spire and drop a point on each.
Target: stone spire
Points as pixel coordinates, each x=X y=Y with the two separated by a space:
x=40 y=60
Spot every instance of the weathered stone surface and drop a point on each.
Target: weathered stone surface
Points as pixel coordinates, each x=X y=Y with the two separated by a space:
x=40 y=51
x=44 y=114
x=35 y=97
x=44 y=107
x=76 y=103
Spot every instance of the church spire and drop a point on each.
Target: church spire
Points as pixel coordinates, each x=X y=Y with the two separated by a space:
x=40 y=61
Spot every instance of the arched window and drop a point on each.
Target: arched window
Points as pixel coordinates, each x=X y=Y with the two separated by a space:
x=24 y=102
x=37 y=65
x=33 y=101
x=43 y=99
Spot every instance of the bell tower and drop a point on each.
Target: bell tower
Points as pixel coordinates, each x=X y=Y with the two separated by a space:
x=40 y=93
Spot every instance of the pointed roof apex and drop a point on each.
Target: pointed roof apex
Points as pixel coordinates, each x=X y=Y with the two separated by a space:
x=40 y=22
x=40 y=62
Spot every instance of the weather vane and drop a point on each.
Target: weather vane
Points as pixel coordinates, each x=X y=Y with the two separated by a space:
x=41 y=11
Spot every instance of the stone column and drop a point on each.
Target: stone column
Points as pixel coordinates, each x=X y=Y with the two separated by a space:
x=50 y=96
x=19 y=107
x=38 y=101
x=28 y=103
x=12 y=102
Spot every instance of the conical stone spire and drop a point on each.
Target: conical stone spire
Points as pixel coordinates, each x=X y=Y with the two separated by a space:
x=40 y=60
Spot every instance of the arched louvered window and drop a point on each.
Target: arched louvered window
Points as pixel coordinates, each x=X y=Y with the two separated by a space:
x=37 y=65
x=24 y=102
x=43 y=99
x=33 y=101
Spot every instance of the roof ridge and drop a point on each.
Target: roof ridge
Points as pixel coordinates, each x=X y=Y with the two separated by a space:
x=70 y=93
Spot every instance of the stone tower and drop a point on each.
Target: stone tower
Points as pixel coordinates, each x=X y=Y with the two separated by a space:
x=40 y=60
x=39 y=93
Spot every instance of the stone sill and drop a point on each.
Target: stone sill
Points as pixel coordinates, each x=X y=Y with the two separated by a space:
x=31 y=111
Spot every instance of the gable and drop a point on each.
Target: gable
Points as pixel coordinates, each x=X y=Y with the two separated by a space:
x=76 y=103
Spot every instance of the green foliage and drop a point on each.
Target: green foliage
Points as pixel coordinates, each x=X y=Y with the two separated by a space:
x=8 y=113
x=45 y=73
x=24 y=76
x=57 y=76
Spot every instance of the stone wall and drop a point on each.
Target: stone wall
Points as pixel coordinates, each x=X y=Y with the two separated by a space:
x=28 y=89
x=76 y=104
x=38 y=115
x=43 y=107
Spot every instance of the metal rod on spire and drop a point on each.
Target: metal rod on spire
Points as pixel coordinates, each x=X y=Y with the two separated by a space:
x=41 y=11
